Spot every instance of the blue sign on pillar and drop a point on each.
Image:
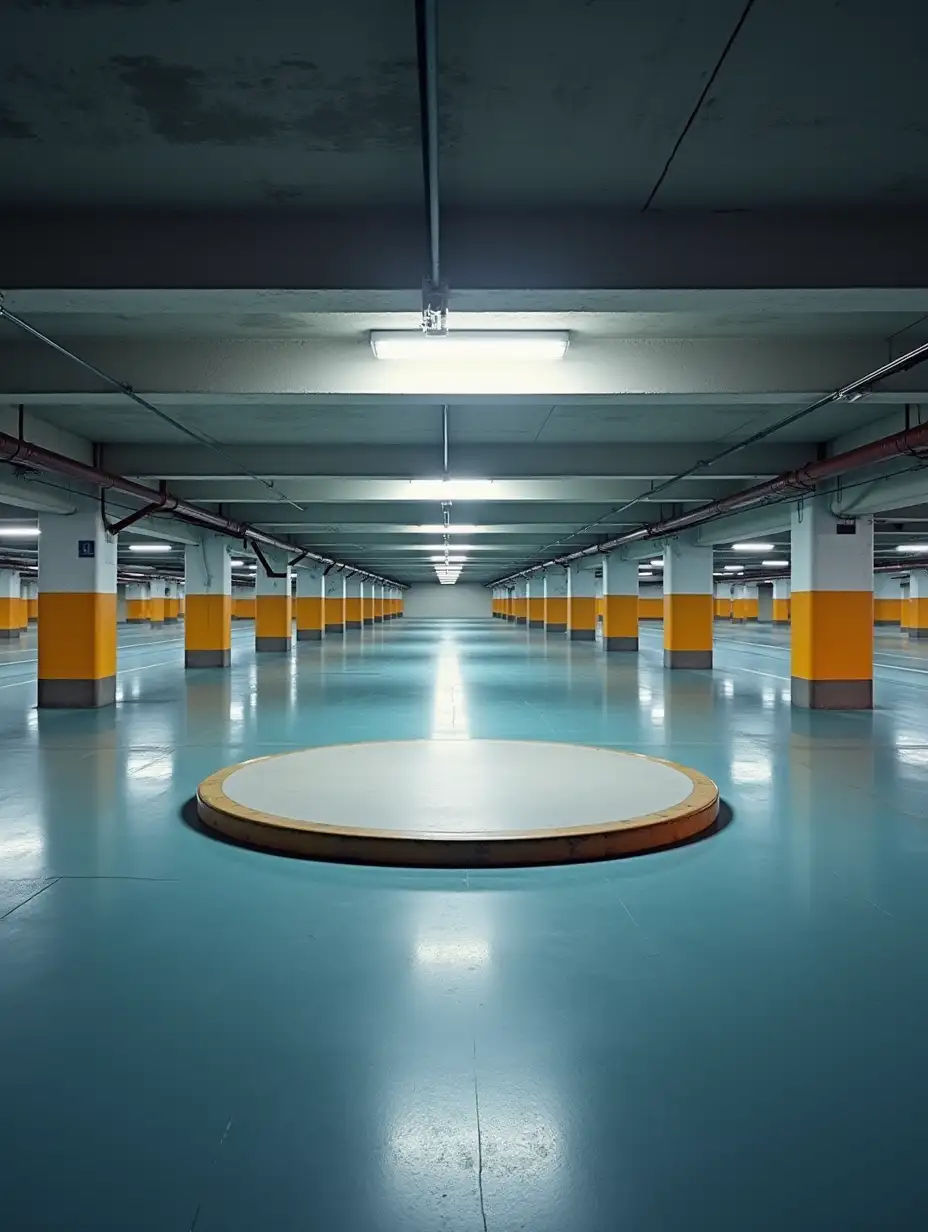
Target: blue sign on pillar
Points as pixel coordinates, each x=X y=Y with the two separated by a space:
x=86 y=548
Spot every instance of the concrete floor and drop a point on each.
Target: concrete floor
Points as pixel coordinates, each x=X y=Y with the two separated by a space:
x=731 y=1035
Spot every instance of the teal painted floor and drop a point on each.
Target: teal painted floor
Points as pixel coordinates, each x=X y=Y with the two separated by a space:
x=729 y=1036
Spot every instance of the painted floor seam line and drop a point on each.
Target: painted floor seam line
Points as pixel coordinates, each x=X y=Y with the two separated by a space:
x=41 y=890
x=483 y=1212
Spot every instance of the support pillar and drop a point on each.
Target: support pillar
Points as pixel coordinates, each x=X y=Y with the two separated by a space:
x=535 y=599
x=581 y=603
x=156 y=596
x=310 y=601
x=137 y=603
x=10 y=626
x=171 y=603
x=367 y=602
x=334 y=603
x=887 y=599
x=746 y=604
x=274 y=607
x=918 y=605
x=23 y=604
x=723 y=601
x=555 y=584
x=520 y=601
x=620 y=603
x=208 y=603
x=77 y=612
x=832 y=609
x=354 y=617
x=32 y=601
x=377 y=602
x=781 y=601
x=687 y=605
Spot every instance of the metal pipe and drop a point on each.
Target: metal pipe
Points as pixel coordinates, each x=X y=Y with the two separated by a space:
x=24 y=453
x=427 y=48
x=790 y=483
x=114 y=383
x=846 y=393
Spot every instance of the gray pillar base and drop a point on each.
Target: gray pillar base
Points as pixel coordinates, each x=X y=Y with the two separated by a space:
x=334 y=630
x=555 y=628
x=377 y=620
x=309 y=635
x=691 y=660
x=171 y=620
x=273 y=645
x=140 y=620
x=831 y=694
x=536 y=624
x=892 y=624
x=207 y=658
x=367 y=621
x=7 y=635
x=918 y=635
x=77 y=694
x=783 y=624
x=583 y=635
x=352 y=624
x=620 y=643
x=520 y=620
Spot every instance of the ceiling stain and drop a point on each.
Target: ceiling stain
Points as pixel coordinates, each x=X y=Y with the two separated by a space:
x=14 y=129
x=171 y=96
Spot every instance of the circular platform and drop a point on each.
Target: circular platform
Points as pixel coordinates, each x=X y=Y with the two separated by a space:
x=458 y=803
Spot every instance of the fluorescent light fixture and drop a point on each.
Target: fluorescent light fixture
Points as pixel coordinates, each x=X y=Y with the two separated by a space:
x=447 y=530
x=645 y=573
x=455 y=560
x=775 y=564
x=151 y=547
x=753 y=547
x=658 y=562
x=449 y=489
x=19 y=532
x=532 y=346
x=912 y=547
x=733 y=569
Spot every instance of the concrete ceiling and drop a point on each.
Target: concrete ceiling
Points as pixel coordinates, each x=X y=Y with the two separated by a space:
x=217 y=203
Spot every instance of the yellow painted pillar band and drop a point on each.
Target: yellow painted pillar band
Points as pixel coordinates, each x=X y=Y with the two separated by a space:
x=581 y=617
x=887 y=611
x=136 y=610
x=33 y=608
x=650 y=608
x=781 y=611
x=208 y=631
x=620 y=622
x=77 y=649
x=688 y=629
x=309 y=618
x=9 y=618
x=273 y=623
x=536 y=612
x=156 y=609
x=353 y=614
x=556 y=613
x=832 y=645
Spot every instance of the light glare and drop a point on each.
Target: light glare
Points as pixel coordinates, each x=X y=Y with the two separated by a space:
x=506 y=345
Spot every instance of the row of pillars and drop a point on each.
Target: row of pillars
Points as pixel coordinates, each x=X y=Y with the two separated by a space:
x=828 y=603
x=75 y=607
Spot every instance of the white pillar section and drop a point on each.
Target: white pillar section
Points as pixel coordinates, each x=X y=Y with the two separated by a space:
x=535 y=601
x=274 y=605
x=556 y=599
x=887 y=599
x=208 y=611
x=687 y=605
x=334 y=606
x=10 y=602
x=832 y=609
x=171 y=603
x=581 y=602
x=620 y=603
x=310 y=597
x=77 y=611
x=353 y=600
x=781 y=601
x=918 y=604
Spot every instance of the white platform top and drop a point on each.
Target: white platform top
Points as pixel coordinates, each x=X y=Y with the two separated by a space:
x=458 y=787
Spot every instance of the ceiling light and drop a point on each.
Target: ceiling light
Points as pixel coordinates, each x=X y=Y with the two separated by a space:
x=151 y=547
x=447 y=530
x=449 y=490
x=733 y=569
x=19 y=532
x=753 y=547
x=512 y=345
x=912 y=547
x=658 y=562
x=645 y=573
x=454 y=559
x=775 y=564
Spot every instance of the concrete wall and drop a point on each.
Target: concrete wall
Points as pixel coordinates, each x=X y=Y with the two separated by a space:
x=765 y=603
x=431 y=601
